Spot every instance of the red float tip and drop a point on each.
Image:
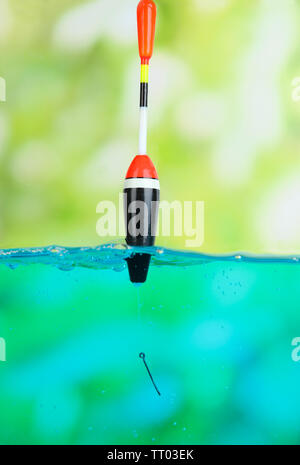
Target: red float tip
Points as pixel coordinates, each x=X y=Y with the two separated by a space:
x=141 y=167
x=146 y=19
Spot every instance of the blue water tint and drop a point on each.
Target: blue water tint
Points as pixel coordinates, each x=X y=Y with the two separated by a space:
x=217 y=332
x=57 y=369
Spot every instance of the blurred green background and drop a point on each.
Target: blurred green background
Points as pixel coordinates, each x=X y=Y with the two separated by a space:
x=224 y=127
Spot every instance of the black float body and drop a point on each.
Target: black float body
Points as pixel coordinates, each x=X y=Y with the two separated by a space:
x=141 y=207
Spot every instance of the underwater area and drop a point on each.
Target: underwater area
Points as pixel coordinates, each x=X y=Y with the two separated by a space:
x=217 y=333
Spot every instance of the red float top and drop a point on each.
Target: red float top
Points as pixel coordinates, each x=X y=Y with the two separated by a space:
x=146 y=18
x=141 y=167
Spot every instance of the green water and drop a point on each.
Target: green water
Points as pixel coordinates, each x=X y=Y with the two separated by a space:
x=217 y=333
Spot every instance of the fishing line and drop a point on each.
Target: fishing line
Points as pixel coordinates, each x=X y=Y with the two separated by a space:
x=139 y=306
x=143 y=357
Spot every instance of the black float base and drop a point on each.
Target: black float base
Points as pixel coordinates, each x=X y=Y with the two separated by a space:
x=138 y=266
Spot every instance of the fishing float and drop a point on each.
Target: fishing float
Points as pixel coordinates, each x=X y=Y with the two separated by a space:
x=141 y=187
